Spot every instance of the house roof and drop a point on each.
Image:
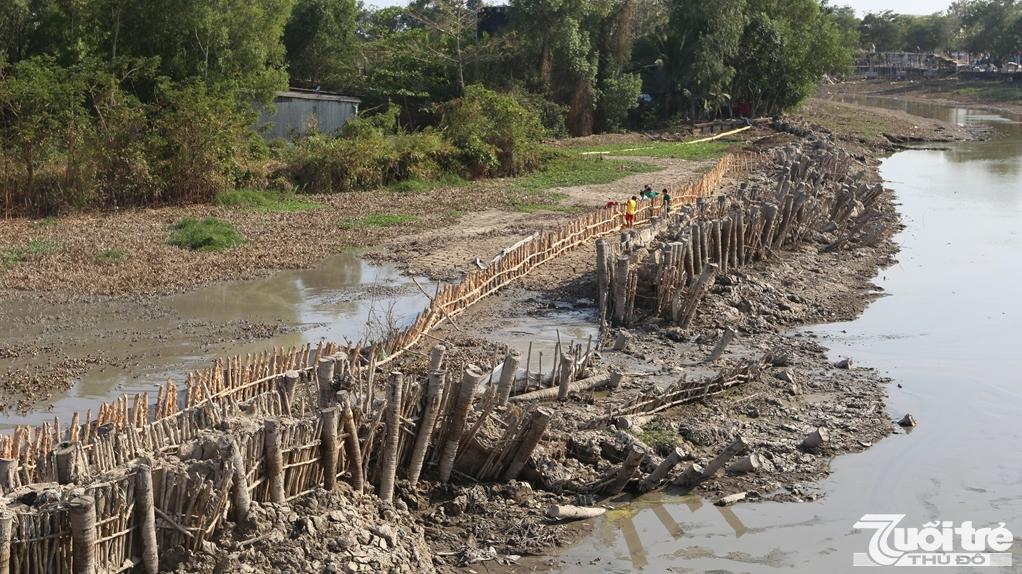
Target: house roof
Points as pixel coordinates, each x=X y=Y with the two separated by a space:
x=313 y=95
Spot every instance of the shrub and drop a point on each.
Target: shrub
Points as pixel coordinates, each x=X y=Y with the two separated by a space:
x=497 y=136
x=204 y=135
x=210 y=234
x=368 y=159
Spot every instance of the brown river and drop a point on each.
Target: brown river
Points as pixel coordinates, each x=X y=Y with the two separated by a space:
x=947 y=333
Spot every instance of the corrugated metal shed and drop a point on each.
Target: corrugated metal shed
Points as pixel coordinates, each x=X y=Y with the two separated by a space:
x=298 y=111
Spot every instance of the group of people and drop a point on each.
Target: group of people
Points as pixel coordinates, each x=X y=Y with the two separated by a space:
x=647 y=193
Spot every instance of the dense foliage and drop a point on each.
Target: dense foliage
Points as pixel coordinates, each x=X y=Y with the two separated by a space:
x=992 y=28
x=114 y=102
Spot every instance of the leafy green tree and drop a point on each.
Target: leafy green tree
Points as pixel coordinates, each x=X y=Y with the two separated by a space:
x=786 y=49
x=42 y=117
x=495 y=133
x=702 y=39
x=882 y=32
x=321 y=42
x=992 y=27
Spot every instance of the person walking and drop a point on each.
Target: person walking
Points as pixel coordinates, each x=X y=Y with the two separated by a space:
x=666 y=196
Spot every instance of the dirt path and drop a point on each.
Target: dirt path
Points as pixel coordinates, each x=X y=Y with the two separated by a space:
x=448 y=252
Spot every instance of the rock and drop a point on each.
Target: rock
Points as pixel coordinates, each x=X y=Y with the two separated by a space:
x=844 y=363
x=786 y=375
x=622 y=340
x=815 y=439
x=907 y=421
x=781 y=360
x=521 y=491
x=731 y=499
x=675 y=334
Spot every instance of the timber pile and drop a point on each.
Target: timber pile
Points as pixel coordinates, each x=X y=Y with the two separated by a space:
x=666 y=271
x=685 y=391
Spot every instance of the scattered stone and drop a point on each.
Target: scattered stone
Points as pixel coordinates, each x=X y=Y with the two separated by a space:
x=815 y=439
x=907 y=421
x=731 y=499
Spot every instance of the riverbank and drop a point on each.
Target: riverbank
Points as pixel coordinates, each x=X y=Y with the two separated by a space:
x=798 y=390
x=999 y=96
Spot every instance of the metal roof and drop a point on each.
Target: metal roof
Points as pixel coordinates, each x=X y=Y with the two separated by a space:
x=321 y=96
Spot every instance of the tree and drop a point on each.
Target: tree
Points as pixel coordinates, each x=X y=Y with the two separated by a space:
x=882 y=32
x=992 y=27
x=786 y=48
x=702 y=39
x=321 y=44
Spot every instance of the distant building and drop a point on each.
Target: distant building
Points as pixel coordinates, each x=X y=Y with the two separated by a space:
x=300 y=111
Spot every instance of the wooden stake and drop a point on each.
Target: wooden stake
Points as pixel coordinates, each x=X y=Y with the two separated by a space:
x=434 y=388
x=721 y=346
x=507 y=377
x=353 y=452
x=274 y=461
x=65 y=459
x=146 y=518
x=392 y=438
x=325 y=382
x=329 y=447
x=535 y=427
x=6 y=533
x=241 y=500
x=459 y=416
x=567 y=372
x=82 y=517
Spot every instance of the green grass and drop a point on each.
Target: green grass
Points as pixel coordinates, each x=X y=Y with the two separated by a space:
x=677 y=150
x=416 y=185
x=377 y=220
x=109 y=256
x=990 y=92
x=259 y=200
x=568 y=170
x=32 y=250
x=848 y=121
x=210 y=234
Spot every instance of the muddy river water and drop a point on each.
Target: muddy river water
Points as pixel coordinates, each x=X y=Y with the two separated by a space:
x=344 y=297
x=948 y=334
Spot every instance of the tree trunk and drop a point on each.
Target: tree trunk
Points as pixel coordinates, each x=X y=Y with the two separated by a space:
x=393 y=439
x=459 y=417
x=434 y=390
